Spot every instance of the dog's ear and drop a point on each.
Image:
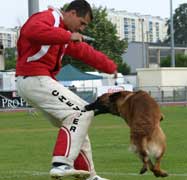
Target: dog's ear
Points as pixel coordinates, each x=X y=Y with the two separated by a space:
x=113 y=97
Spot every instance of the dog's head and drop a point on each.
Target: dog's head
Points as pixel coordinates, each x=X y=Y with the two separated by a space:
x=101 y=105
x=107 y=103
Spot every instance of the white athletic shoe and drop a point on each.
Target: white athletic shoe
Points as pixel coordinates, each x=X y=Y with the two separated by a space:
x=96 y=178
x=68 y=172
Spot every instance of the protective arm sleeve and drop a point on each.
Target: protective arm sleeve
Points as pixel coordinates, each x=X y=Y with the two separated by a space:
x=86 y=53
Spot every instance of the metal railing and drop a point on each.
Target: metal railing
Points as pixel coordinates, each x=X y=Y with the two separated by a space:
x=164 y=95
x=167 y=94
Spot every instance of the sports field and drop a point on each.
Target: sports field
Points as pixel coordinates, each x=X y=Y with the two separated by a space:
x=26 y=143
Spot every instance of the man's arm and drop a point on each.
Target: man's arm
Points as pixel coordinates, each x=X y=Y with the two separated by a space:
x=86 y=53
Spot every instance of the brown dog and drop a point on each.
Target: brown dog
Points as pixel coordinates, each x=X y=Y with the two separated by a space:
x=143 y=116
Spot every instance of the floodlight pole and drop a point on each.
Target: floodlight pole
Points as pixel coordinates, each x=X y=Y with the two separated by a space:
x=33 y=7
x=172 y=36
x=143 y=43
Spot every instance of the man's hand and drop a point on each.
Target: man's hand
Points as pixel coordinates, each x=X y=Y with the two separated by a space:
x=115 y=74
x=76 y=37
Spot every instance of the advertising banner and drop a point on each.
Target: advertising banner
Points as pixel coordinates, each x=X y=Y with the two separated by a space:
x=10 y=100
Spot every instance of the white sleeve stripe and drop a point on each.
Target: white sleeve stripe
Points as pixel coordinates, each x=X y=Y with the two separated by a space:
x=57 y=18
x=39 y=54
x=45 y=48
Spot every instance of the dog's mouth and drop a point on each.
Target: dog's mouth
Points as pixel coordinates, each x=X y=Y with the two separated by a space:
x=97 y=108
x=90 y=107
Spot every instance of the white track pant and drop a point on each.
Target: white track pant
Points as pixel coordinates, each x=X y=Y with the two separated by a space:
x=66 y=111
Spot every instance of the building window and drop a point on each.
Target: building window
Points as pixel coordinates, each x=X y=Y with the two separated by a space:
x=157 y=31
x=150 y=26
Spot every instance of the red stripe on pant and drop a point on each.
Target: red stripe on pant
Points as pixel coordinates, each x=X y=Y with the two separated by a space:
x=62 y=148
x=63 y=143
x=82 y=162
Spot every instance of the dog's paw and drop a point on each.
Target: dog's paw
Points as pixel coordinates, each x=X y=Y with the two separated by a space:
x=143 y=170
x=160 y=173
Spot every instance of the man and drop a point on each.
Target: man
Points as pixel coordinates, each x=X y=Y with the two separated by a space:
x=44 y=39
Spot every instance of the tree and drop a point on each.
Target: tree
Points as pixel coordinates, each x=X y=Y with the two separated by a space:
x=180 y=25
x=181 y=61
x=10 y=58
x=106 y=40
x=123 y=68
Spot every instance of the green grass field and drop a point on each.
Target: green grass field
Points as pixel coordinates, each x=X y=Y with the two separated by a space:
x=26 y=144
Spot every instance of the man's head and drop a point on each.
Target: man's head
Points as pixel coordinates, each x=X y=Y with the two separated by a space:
x=77 y=15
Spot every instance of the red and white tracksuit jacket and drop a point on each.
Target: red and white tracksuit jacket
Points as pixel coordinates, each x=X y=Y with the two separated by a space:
x=43 y=41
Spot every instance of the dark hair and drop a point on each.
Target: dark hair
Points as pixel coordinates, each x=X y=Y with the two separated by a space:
x=81 y=7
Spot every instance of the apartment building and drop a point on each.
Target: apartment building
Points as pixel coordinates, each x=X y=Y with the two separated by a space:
x=8 y=37
x=137 y=27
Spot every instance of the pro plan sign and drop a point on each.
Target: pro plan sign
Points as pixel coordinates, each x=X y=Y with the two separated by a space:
x=9 y=100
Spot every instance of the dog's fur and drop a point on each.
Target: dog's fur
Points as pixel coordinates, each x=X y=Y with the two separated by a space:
x=142 y=114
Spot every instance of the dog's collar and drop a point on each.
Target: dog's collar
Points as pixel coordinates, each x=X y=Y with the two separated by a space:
x=127 y=97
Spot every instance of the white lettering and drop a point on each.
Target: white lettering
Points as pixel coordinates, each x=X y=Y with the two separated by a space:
x=13 y=103
x=4 y=101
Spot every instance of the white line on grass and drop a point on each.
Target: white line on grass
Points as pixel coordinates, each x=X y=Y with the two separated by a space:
x=136 y=174
x=19 y=174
